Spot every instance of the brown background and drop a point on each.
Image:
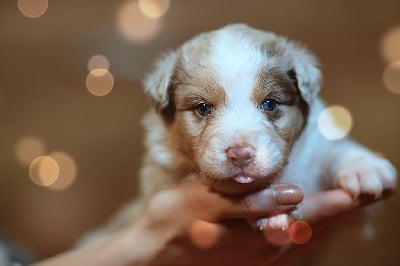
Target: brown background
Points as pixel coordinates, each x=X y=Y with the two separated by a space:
x=43 y=66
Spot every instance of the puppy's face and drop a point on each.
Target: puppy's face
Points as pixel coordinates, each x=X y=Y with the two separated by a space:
x=235 y=108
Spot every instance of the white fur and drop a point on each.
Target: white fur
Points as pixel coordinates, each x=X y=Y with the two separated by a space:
x=236 y=60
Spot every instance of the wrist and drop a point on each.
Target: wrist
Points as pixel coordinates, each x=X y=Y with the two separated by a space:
x=139 y=244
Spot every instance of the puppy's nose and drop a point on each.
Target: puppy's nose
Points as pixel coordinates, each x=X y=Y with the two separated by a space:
x=240 y=156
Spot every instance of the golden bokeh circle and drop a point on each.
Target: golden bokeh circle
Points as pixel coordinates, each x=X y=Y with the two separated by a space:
x=99 y=82
x=335 y=122
x=68 y=170
x=134 y=26
x=154 y=8
x=44 y=171
x=391 y=78
x=28 y=148
x=33 y=8
x=98 y=61
x=390 y=45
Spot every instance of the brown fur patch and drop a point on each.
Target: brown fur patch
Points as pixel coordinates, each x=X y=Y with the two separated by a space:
x=289 y=117
x=189 y=93
x=275 y=84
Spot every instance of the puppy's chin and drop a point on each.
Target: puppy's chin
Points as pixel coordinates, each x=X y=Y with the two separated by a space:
x=234 y=187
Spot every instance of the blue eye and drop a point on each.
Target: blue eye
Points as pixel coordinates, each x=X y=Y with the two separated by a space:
x=269 y=105
x=204 y=109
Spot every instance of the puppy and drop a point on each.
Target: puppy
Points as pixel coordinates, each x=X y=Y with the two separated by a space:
x=238 y=108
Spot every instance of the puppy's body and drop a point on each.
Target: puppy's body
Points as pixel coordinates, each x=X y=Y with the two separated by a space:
x=238 y=109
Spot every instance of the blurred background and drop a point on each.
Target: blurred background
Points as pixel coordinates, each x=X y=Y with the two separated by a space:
x=71 y=103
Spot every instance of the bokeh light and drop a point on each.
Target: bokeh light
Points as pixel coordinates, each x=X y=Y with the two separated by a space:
x=300 y=232
x=28 y=148
x=335 y=122
x=99 y=82
x=98 y=61
x=276 y=236
x=135 y=26
x=204 y=234
x=390 y=45
x=44 y=171
x=154 y=8
x=391 y=77
x=33 y=8
x=67 y=171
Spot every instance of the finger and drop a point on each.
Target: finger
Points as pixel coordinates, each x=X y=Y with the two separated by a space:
x=321 y=205
x=325 y=204
x=212 y=206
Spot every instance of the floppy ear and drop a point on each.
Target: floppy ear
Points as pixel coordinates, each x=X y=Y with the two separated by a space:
x=157 y=83
x=308 y=75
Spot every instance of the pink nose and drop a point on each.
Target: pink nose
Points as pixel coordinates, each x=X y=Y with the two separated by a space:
x=240 y=156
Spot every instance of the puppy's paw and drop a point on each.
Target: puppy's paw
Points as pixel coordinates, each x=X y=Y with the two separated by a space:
x=278 y=222
x=368 y=174
x=275 y=229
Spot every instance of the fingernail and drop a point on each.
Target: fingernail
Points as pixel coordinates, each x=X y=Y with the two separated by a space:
x=288 y=195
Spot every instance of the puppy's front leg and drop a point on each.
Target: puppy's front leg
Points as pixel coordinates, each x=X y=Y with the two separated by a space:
x=358 y=170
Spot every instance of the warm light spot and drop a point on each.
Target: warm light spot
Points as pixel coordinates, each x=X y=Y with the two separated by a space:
x=335 y=122
x=204 y=234
x=276 y=236
x=28 y=148
x=99 y=82
x=300 y=232
x=44 y=171
x=98 y=61
x=391 y=77
x=33 y=8
x=134 y=26
x=390 y=45
x=68 y=171
x=154 y=8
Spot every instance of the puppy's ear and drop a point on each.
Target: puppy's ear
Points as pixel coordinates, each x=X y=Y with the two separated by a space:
x=306 y=72
x=157 y=84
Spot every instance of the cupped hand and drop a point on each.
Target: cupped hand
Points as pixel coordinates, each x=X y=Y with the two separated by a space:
x=192 y=225
x=200 y=227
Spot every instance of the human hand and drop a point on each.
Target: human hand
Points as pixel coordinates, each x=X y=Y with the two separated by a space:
x=191 y=219
x=192 y=225
x=203 y=227
x=170 y=228
x=206 y=243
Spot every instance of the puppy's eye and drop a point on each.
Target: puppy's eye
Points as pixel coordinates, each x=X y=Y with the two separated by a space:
x=204 y=109
x=269 y=105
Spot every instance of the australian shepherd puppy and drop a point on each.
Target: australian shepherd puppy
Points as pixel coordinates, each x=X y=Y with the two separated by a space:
x=238 y=109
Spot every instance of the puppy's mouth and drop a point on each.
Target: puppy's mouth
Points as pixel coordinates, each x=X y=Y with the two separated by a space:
x=238 y=184
x=244 y=179
x=240 y=181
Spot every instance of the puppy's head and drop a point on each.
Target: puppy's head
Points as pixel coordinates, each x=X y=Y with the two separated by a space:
x=234 y=101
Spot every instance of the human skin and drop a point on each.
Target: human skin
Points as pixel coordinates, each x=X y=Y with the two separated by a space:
x=163 y=234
